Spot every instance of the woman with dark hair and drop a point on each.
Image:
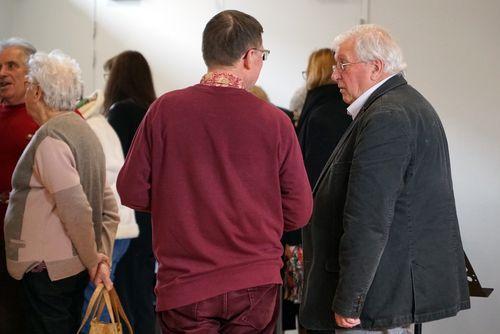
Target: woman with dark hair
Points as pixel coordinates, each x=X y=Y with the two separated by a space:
x=128 y=93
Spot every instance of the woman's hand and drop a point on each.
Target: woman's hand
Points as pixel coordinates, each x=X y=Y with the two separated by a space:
x=101 y=272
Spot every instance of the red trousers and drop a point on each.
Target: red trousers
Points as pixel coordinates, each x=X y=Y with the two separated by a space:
x=253 y=310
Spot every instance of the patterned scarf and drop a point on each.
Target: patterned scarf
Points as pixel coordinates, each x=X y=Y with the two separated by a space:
x=221 y=79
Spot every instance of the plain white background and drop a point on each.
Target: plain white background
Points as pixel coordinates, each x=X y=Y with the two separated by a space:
x=451 y=46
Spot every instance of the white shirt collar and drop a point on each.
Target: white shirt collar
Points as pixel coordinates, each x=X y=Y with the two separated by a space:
x=356 y=106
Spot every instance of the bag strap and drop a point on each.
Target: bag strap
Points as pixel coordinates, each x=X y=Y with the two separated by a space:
x=96 y=297
x=106 y=301
x=119 y=309
x=111 y=310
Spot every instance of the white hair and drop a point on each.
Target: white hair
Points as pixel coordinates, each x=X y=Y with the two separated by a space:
x=374 y=42
x=59 y=77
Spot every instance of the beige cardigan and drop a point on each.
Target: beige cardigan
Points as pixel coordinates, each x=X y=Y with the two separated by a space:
x=61 y=210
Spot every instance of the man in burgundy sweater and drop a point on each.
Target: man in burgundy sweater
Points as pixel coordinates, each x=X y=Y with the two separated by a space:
x=16 y=129
x=222 y=174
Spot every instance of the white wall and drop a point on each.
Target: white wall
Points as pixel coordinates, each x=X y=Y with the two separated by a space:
x=6 y=8
x=451 y=47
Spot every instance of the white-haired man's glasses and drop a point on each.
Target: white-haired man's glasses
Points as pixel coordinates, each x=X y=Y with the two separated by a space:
x=341 y=67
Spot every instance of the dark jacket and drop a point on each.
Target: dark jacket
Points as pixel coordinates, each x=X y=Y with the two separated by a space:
x=383 y=243
x=322 y=123
x=125 y=117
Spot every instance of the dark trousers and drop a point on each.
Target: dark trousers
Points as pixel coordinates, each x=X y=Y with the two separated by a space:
x=53 y=307
x=135 y=281
x=253 y=310
x=12 y=318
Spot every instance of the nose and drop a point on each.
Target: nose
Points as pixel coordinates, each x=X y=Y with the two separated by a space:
x=335 y=75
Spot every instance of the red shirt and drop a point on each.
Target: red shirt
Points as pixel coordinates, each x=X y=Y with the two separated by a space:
x=16 y=130
x=222 y=173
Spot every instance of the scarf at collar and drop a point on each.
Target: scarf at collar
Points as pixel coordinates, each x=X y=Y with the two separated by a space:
x=222 y=79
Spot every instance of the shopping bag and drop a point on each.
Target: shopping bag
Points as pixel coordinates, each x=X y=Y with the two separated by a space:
x=103 y=298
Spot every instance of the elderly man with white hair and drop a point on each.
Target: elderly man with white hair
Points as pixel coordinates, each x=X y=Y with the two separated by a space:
x=383 y=248
x=62 y=216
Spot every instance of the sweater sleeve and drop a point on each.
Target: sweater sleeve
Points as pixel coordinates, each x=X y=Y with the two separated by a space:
x=296 y=192
x=56 y=168
x=134 y=179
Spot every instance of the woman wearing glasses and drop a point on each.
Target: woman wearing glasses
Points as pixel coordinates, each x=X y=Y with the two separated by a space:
x=324 y=116
x=62 y=215
x=322 y=122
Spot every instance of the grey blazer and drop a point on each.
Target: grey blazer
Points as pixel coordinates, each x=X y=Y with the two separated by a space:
x=383 y=243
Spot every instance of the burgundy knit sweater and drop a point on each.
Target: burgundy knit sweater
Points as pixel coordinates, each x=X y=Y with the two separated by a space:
x=16 y=130
x=222 y=174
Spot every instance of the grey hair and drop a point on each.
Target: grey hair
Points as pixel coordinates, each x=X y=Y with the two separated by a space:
x=59 y=77
x=22 y=44
x=374 y=42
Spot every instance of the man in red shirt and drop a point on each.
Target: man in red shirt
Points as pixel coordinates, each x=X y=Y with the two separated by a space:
x=222 y=173
x=16 y=129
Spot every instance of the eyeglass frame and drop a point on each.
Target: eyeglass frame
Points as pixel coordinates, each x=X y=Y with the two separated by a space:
x=341 y=67
x=29 y=81
x=265 y=53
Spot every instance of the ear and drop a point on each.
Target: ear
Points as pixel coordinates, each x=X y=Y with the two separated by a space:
x=247 y=60
x=378 y=69
x=38 y=94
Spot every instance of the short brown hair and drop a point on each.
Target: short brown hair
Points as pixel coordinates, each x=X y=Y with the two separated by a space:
x=319 y=68
x=228 y=35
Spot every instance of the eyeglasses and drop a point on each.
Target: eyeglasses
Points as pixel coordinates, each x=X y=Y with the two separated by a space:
x=304 y=74
x=341 y=67
x=265 y=53
x=30 y=82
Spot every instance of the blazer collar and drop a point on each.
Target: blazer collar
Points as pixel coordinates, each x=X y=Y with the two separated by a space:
x=395 y=81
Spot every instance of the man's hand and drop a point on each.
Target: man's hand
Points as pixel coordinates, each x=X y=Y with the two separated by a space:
x=346 y=322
